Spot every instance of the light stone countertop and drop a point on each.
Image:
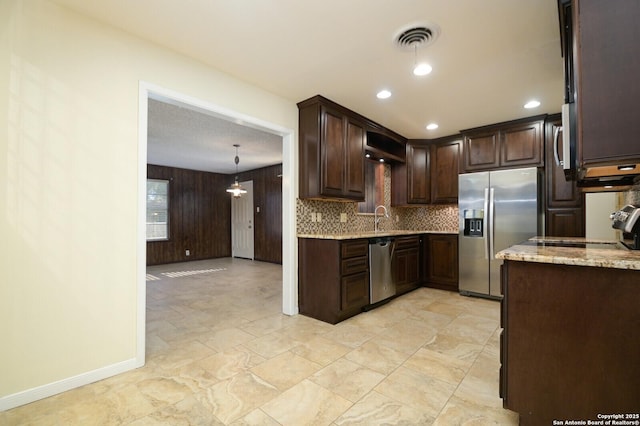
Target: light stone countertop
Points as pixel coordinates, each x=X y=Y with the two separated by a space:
x=598 y=253
x=383 y=233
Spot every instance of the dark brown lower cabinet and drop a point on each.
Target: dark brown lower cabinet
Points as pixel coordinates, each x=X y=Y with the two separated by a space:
x=440 y=261
x=570 y=342
x=565 y=222
x=406 y=263
x=333 y=278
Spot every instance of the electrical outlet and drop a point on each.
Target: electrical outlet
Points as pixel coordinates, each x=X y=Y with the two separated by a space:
x=258 y=209
x=313 y=217
x=319 y=217
x=343 y=217
x=187 y=252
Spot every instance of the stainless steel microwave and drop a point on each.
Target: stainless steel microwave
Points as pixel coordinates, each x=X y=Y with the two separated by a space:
x=568 y=162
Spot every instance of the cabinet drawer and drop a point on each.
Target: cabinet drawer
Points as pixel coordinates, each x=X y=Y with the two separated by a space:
x=353 y=265
x=354 y=248
x=407 y=242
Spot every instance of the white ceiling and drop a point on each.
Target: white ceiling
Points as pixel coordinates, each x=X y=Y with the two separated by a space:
x=180 y=135
x=491 y=57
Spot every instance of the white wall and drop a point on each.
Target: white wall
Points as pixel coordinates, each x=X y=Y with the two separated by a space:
x=598 y=207
x=68 y=186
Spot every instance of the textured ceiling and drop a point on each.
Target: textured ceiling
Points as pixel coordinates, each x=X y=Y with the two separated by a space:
x=491 y=57
x=180 y=136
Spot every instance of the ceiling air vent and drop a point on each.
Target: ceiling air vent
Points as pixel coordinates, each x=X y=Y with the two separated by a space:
x=418 y=35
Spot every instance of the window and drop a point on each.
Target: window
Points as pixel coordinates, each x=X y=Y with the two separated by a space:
x=157 y=209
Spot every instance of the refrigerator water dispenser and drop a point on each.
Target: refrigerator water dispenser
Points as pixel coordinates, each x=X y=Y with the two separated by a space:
x=473 y=223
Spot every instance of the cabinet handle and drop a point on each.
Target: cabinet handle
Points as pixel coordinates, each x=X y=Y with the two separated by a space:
x=556 y=134
x=487 y=225
x=492 y=207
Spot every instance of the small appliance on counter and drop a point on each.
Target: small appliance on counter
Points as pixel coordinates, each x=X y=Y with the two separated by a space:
x=627 y=219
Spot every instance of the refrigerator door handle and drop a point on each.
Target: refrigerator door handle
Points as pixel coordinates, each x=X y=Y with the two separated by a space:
x=487 y=227
x=491 y=223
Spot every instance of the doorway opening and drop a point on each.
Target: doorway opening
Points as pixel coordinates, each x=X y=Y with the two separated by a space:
x=289 y=257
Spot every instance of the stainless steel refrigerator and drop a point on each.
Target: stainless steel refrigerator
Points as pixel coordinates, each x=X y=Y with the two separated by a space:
x=496 y=210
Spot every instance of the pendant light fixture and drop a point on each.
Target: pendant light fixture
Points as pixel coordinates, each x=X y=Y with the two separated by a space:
x=421 y=68
x=236 y=189
x=415 y=36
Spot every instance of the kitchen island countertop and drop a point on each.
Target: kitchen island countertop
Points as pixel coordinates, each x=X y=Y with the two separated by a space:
x=573 y=251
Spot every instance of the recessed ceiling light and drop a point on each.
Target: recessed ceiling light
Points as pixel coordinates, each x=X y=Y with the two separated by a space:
x=383 y=94
x=368 y=155
x=422 y=69
x=532 y=104
x=432 y=126
x=381 y=160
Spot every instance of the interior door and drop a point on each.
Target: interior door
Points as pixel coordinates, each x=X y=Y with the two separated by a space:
x=242 y=223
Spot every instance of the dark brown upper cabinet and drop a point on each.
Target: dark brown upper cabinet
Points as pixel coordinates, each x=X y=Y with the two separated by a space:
x=411 y=181
x=418 y=176
x=518 y=143
x=332 y=142
x=481 y=150
x=606 y=64
x=445 y=161
x=429 y=174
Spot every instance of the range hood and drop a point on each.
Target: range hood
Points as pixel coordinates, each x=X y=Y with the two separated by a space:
x=609 y=178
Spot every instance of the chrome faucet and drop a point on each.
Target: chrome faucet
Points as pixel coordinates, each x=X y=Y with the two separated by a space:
x=376 y=219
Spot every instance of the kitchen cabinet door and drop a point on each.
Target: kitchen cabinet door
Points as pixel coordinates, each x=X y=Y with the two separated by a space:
x=517 y=143
x=354 y=160
x=332 y=153
x=481 y=151
x=565 y=222
x=411 y=181
x=354 y=293
x=440 y=261
x=332 y=143
x=429 y=175
x=522 y=145
x=419 y=178
x=607 y=66
x=333 y=278
x=406 y=263
x=445 y=158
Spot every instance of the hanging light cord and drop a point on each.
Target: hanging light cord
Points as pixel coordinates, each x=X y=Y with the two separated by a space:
x=236 y=160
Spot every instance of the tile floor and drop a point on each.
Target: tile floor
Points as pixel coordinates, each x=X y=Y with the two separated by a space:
x=220 y=352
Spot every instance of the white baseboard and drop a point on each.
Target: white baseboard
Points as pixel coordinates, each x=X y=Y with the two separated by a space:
x=30 y=395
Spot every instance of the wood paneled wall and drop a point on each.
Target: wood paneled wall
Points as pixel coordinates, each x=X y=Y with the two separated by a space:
x=199 y=216
x=267 y=195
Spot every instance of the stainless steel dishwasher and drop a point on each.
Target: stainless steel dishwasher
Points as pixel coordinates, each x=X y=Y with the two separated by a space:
x=381 y=284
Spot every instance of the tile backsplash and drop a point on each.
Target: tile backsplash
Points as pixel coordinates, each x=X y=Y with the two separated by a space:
x=633 y=195
x=425 y=218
